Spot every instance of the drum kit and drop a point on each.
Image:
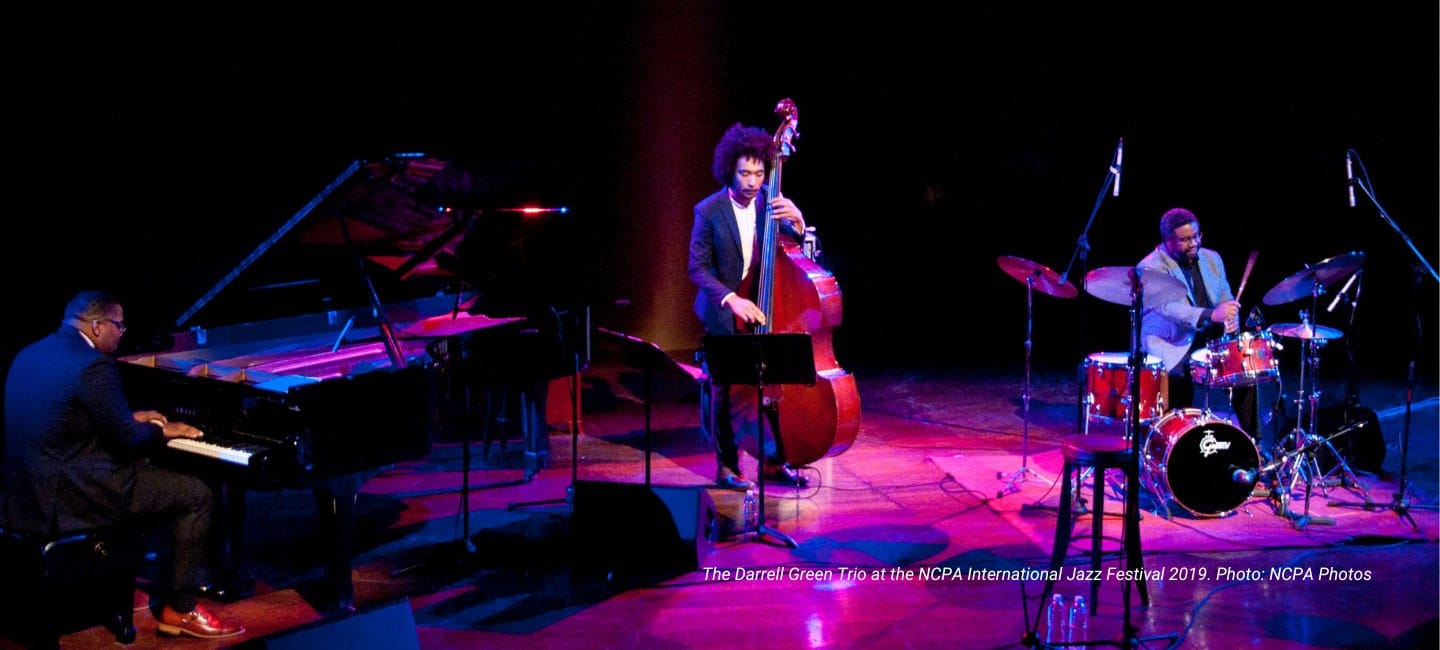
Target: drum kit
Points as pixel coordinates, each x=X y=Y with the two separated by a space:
x=1189 y=457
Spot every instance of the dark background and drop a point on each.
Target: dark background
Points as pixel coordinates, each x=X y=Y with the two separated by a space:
x=149 y=151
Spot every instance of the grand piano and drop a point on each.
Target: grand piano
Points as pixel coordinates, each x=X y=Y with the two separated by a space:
x=303 y=377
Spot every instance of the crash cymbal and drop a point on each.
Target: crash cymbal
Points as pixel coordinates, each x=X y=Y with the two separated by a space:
x=1306 y=332
x=1040 y=276
x=1324 y=273
x=1112 y=284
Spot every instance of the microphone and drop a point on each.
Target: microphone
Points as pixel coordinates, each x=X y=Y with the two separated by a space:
x=1349 y=178
x=1342 y=292
x=1242 y=476
x=1256 y=319
x=1115 y=169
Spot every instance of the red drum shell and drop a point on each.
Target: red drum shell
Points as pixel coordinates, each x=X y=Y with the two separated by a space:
x=1243 y=359
x=1108 y=387
x=1199 y=462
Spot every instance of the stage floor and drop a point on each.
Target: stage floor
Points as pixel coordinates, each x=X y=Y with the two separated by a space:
x=907 y=540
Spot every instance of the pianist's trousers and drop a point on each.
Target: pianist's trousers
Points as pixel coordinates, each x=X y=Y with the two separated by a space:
x=182 y=503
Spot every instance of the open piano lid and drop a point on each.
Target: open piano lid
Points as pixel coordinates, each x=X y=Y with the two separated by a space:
x=385 y=217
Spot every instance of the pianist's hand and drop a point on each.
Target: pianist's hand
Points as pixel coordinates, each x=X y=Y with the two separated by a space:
x=180 y=430
x=150 y=416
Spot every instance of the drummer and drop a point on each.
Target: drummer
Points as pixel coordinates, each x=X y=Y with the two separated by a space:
x=1173 y=330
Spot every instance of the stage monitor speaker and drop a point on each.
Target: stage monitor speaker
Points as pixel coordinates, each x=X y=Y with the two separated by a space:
x=635 y=530
x=1363 y=448
x=386 y=627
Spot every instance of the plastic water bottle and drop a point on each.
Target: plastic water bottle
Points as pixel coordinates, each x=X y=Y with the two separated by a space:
x=750 y=512
x=1079 y=628
x=1055 y=619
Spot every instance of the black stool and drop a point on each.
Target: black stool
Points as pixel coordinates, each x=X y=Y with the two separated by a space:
x=1100 y=452
x=62 y=582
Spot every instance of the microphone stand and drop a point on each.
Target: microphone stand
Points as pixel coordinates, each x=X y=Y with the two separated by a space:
x=1081 y=253
x=1131 y=556
x=1400 y=502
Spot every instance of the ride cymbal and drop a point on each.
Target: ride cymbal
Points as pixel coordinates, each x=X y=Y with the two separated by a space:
x=1325 y=273
x=1037 y=275
x=1112 y=284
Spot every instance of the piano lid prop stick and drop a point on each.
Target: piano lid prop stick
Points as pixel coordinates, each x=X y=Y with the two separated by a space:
x=349 y=322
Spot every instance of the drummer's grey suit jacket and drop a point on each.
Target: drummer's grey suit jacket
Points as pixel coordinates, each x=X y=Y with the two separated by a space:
x=1167 y=330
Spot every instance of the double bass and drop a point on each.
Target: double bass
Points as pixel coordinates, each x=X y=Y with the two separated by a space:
x=797 y=296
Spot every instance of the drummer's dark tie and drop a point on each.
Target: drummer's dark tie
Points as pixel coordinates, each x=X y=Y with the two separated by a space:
x=1197 y=284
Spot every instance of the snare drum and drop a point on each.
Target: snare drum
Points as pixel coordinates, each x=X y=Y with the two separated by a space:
x=1243 y=359
x=1107 y=383
x=1199 y=462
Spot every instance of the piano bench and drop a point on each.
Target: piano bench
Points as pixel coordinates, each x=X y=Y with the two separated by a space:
x=54 y=585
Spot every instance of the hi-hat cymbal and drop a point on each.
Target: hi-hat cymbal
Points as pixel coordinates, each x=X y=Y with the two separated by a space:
x=1306 y=332
x=1112 y=284
x=1040 y=276
x=1324 y=273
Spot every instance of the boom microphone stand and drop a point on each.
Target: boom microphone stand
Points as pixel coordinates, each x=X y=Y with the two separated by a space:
x=1400 y=502
x=1082 y=251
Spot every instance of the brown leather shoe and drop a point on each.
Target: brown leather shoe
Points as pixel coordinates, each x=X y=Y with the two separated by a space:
x=730 y=479
x=198 y=622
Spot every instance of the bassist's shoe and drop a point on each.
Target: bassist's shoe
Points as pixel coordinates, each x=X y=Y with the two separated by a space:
x=783 y=475
x=731 y=479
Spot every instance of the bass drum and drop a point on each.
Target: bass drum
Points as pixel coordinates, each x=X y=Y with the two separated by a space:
x=1199 y=462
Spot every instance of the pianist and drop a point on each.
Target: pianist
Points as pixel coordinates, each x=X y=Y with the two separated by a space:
x=74 y=456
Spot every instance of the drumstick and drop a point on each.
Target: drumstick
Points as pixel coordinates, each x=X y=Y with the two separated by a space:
x=1249 y=265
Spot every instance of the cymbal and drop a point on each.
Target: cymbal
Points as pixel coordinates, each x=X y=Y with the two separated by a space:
x=1112 y=284
x=1306 y=332
x=1324 y=273
x=1039 y=276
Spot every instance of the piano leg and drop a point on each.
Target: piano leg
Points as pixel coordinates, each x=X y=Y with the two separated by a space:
x=335 y=500
x=534 y=428
x=231 y=579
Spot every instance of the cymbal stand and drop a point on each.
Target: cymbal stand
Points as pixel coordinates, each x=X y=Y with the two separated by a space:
x=1347 y=477
x=1132 y=559
x=1302 y=463
x=1015 y=478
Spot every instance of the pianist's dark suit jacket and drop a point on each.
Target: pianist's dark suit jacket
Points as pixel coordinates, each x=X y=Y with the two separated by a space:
x=71 y=443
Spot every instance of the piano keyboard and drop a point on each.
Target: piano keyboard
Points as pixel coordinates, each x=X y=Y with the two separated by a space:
x=238 y=454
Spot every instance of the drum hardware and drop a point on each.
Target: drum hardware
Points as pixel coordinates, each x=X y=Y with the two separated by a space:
x=1301 y=462
x=1035 y=276
x=1288 y=467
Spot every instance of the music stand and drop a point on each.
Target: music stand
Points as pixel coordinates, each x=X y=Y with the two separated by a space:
x=761 y=360
x=648 y=356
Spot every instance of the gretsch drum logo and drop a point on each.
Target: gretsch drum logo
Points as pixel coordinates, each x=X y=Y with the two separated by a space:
x=1209 y=445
